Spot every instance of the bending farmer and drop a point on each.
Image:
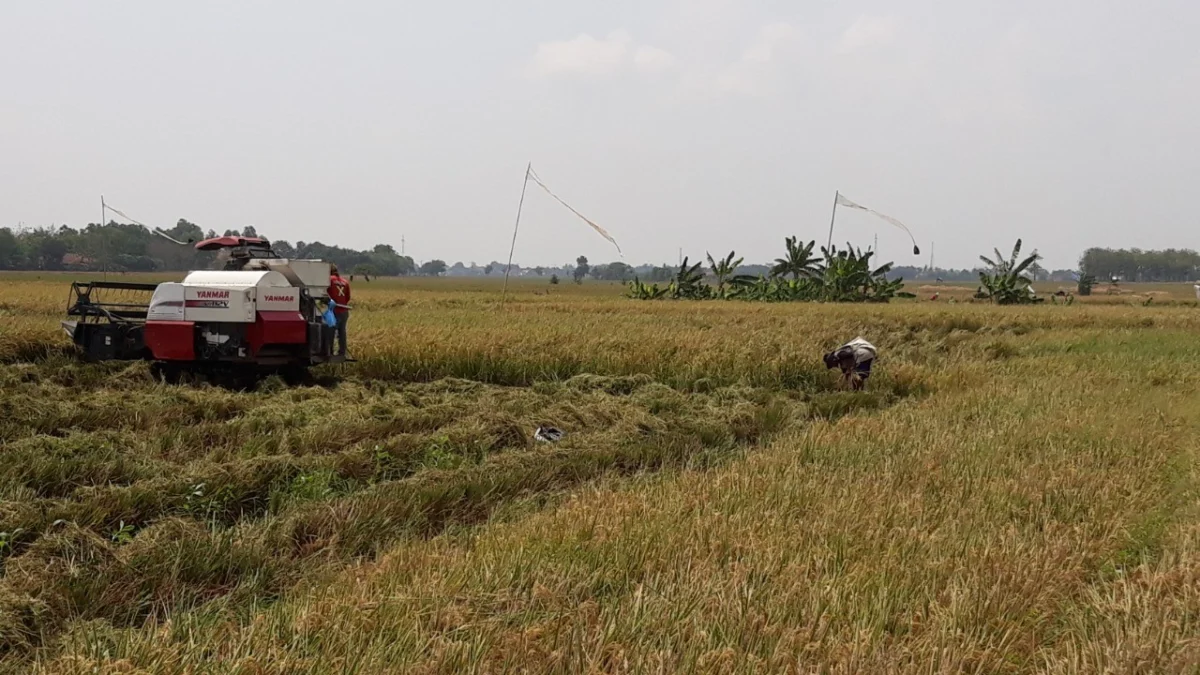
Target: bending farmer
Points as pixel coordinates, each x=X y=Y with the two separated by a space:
x=339 y=295
x=854 y=359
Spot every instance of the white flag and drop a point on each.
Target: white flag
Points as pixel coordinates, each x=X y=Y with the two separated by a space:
x=842 y=200
x=602 y=232
x=125 y=217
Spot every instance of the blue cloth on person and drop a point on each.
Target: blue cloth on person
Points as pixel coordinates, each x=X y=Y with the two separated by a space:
x=329 y=317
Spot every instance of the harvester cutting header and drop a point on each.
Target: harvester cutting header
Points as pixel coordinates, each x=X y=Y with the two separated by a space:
x=260 y=314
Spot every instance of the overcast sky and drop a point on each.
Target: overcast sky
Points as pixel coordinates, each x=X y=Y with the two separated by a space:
x=702 y=124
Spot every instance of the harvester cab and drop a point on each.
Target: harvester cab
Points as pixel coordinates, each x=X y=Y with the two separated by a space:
x=259 y=314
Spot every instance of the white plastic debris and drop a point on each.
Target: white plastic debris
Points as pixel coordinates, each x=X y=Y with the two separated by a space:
x=547 y=434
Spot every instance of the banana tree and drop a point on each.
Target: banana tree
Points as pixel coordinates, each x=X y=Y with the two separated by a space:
x=1004 y=282
x=689 y=283
x=884 y=289
x=641 y=291
x=799 y=261
x=758 y=289
x=1084 y=284
x=724 y=270
x=847 y=275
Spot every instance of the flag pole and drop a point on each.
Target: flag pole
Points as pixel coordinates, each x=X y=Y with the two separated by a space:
x=103 y=239
x=836 y=194
x=520 y=205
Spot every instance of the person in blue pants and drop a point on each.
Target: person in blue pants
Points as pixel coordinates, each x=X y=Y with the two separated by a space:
x=854 y=359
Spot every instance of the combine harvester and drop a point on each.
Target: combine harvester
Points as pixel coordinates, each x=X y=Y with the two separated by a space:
x=260 y=315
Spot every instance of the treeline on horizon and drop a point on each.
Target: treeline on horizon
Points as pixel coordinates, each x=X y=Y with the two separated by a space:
x=134 y=248
x=1173 y=264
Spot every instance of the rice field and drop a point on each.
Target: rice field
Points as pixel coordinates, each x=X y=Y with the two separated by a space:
x=1016 y=491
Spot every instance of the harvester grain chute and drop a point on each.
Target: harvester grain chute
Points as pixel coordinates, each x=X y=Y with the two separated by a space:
x=261 y=314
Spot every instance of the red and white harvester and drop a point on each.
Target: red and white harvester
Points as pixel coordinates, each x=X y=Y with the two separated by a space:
x=259 y=315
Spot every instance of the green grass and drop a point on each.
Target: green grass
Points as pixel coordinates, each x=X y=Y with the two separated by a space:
x=1016 y=492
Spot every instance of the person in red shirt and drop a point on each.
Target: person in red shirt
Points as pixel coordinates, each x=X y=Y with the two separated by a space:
x=339 y=294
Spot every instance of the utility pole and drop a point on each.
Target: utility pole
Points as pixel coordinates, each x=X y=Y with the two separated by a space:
x=402 y=252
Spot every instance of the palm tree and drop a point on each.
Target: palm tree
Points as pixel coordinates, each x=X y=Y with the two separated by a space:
x=799 y=262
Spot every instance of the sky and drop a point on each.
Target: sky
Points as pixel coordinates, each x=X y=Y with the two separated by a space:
x=701 y=125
